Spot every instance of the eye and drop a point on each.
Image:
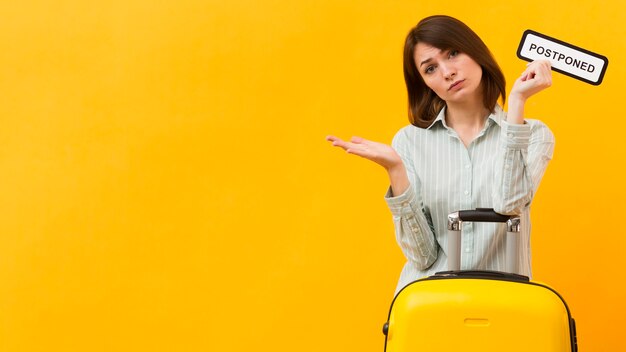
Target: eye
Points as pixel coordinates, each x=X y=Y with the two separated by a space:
x=429 y=69
x=453 y=53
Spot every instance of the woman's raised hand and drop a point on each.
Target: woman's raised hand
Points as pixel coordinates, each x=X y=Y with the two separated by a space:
x=536 y=77
x=382 y=154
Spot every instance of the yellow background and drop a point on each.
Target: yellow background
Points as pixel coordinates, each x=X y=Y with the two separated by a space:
x=166 y=186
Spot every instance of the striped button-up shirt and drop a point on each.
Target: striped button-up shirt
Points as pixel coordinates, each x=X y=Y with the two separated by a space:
x=501 y=169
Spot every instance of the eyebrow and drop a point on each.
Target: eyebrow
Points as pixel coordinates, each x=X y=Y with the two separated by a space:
x=430 y=58
x=425 y=62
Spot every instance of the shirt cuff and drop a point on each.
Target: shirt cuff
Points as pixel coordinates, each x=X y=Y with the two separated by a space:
x=516 y=136
x=400 y=205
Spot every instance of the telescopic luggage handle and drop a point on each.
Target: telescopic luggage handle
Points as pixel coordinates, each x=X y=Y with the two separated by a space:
x=455 y=221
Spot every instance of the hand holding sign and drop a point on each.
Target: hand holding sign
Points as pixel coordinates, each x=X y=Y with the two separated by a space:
x=534 y=79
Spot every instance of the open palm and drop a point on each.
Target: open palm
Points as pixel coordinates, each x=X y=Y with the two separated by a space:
x=380 y=153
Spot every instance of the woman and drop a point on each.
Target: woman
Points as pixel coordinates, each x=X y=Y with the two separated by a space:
x=461 y=151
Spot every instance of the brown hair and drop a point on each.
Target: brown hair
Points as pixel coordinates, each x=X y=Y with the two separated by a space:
x=445 y=32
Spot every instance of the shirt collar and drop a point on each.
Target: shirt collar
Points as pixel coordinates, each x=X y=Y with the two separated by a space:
x=440 y=119
x=497 y=116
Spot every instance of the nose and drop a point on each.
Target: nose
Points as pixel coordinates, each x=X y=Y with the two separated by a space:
x=448 y=71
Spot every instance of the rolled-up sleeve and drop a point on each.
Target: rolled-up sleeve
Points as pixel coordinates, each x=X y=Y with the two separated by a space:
x=521 y=162
x=414 y=233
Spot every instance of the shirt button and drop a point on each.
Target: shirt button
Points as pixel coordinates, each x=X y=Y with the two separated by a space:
x=467 y=166
x=466 y=192
x=510 y=135
x=507 y=166
x=467 y=250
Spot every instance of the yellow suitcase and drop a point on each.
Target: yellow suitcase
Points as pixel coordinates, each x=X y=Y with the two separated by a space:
x=479 y=310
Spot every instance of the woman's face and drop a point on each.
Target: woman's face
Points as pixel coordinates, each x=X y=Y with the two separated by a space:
x=452 y=75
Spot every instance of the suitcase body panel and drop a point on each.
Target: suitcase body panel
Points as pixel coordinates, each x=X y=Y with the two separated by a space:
x=478 y=314
x=479 y=310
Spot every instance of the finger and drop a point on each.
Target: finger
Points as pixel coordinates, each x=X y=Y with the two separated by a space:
x=358 y=150
x=527 y=74
x=336 y=141
x=357 y=140
x=342 y=144
x=545 y=63
x=541 y=67
x=543 y=73
x=547 y=67
x=535 y=63
x=538 y=71
x=533 y=80
x=546 y=76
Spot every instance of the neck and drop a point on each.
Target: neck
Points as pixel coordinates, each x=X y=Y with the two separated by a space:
x=467 y=120
x=466 y=114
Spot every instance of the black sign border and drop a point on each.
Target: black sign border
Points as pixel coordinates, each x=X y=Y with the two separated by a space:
x=601 y=57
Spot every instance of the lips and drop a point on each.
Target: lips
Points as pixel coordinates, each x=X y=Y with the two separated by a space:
x=456 y=84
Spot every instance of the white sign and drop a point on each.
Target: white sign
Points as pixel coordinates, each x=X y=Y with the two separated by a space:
x=565 y=58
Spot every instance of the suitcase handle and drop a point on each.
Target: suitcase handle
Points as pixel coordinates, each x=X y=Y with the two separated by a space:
x=455 y=220
x=479 y=274
x=483 y=215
